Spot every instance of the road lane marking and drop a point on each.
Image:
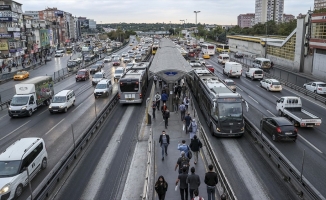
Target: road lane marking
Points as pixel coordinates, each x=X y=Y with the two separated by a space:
x=15 y=130
x=240 y=89
x=3 y=116
x=42 y=112
x=310 y=144
x=77 y=106
x=54 y=126
x=253 y=99
x=276 y=96
x=271 y=113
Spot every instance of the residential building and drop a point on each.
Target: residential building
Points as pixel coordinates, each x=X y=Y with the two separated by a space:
x=318 y=4
x=245 y=20
x=34 y=14
x=288 y=17
x=267 y=10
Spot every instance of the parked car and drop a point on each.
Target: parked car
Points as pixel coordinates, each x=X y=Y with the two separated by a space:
x=279 y=127
x=94 y=68
x=271 y=85
x=82 y=74
x=316 y=87
x=21 y=75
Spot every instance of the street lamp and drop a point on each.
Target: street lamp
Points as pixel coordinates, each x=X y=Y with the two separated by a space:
x=196 y=24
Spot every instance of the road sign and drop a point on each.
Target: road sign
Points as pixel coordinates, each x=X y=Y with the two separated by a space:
x=170 y=73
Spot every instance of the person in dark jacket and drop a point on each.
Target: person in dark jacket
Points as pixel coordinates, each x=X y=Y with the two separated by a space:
x=166 y=117
x=195 y=146
x=164 y=97
x=194 y=182
x=164 y=142
x=161 y=186
x=187 y=121
x=182 y=178
x=211 y=182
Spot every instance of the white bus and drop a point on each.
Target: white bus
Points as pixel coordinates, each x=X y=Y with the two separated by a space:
x=208 y=49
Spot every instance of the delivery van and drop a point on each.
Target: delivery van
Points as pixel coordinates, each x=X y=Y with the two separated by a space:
x=223 y=58
x=232 y=69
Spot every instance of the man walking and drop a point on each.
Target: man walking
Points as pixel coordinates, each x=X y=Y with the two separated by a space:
x=166 y=116
x=194 y=182
x=164 y=142
x=195 y=146
x=153 y=108
x=187 y=121
x=164 y=97
x=158 y=100
x=183 y=184
x=183 y=147
x=211 y=181
x=192 y=128
x=183 y=162
x=186 y=101
x=182 y=109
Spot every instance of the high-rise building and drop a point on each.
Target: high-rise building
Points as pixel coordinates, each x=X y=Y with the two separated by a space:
x=288 y=17
x=319 y=4
x=246 y=20
x=266 y=10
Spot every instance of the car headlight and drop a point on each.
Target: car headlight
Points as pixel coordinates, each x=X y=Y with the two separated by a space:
x=60 y=106
x=9 y=108
x=242 y=129
x=5 y=189
x=24 y=108
x=50 y=106
x=218 y=130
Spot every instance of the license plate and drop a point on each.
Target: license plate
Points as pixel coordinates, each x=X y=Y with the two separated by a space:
x=55 y=110
x=310 y=125
x=288 y=133
x=15 y=115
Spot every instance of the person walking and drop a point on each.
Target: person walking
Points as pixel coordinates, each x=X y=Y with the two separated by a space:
x=211 y=181
x=194 y=182
x=163 y=109
x=182 y=109
x=166 y=117
x=164 y=97
x=183 y=162
x=187 y=121
x=164 y=142
x=197 y=197
x=157 y=98
x=186 y=101
x=160 y=83
x=195 y=146
x=161 y=186
x=183 y=147
x=192 y=128
x=155 y=80
x=153 y=108
x=184 y=90
x=179 y=90
x=176 y=102
x=182 y=178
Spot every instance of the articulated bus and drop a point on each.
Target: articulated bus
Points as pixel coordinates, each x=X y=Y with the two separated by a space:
x=222 y=48
x=154 y=49
x=208 y=49
x=221 y=107
x=133 y=84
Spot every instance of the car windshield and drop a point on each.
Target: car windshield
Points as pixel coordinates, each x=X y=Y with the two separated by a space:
x=276 y=83
x=229 y=111
x=98 y=76
x=119 y=71
x=94 y=67
x=21 y=73
x=225 y=58
x=107 y=57
x=258 y=72
x=58 y=99
x=100 y=86
x=80 y=73
x=71 y=63
x=98 y=63
x=9 y=168
x=229 y=83
x=19 y=101
x=322 y=85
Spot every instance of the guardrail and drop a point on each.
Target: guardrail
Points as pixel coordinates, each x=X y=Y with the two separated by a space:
x=148 y=179
x=50 y=181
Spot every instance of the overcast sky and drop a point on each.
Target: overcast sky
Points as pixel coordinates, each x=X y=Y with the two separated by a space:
x=223 y=12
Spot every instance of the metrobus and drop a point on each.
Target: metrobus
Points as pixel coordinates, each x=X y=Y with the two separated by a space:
x=222 y=48
x=133 y=85
x=154 y=49
x=221 y=107
x=208 y=49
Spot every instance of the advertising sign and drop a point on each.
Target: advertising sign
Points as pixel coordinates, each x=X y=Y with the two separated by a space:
x=58 y=13
x=16 y=35
x=44 y=37
x=50 y=36
x=5 y=35
x=8 y=19
x=5 y=7
x=3 y=45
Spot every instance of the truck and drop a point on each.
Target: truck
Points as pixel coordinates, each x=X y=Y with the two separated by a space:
x=31 y=94
x=201 y=40
x=291 y=108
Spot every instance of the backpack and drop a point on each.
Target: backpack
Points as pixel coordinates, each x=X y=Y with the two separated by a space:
x=187 y=101
x=189 y=154
x=167 y=114
x=184 y=162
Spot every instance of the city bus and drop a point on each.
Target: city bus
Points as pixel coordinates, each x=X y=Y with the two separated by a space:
x=208 y=49
x=154 y=49
x=222 y=48
x=221 y=107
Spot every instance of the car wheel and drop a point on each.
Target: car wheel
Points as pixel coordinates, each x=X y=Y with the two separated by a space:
x=73 y=103
x=76 y=80
x=274 y=137
x=66 y=109
x=19 y=191
x=44 y=163
x=30 y=112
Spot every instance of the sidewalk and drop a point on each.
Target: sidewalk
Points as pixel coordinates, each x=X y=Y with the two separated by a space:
x=166 y=167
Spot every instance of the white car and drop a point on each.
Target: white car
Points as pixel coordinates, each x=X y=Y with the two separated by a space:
x=107 y=59
x=126 y=59
x=124 y=54
x=114 y=55
x=316 y=87
x=271 y=85
x=103 y=88
x=202 y=61
x=58 y=54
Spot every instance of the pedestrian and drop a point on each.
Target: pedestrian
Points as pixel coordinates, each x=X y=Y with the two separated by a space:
x=153 y=108
x=187 y=121
x=186 y=101
x=182 y=109
x=182 y=162
x=166 y=117
x=157 y=98
x=164 y=142
x=192 y=128
x=182 y=178
x=176 y=102
x=175 y=89
x=211 y=181
x=194 y=182
x=161 y=186
x=184 y=89
x=155 y=80
x=195 y=146
x=164 y=97
x=179 y=90
x=160 y=83
x=197 y=197
x=183 y=147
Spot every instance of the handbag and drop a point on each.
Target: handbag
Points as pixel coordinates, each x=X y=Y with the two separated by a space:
x=189 y=154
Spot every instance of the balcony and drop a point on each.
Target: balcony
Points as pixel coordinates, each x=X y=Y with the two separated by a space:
x=16 y=29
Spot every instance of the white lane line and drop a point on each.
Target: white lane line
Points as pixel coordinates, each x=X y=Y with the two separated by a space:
x=240 y=89
x=77 y=107
x=3 y=116
x=276 y=96
x=42 y=112
x=54 y=126
x=271 y=113
x=310 y=144
x=15 y=130
x=253 y=99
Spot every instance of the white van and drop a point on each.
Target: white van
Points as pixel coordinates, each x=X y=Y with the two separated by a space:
x=25 y=155
x=232 y=69
x=118 y=72
x=223 y=58
x=262 y=63
x=62 y=101
x=255 y=73
x=103 y=88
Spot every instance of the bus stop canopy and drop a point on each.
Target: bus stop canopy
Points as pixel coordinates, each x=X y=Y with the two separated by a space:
x=168 y=63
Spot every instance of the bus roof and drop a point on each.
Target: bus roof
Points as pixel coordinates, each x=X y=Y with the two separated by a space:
x=133 y=74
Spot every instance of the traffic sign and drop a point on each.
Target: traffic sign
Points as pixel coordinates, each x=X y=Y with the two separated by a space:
x=170 y=73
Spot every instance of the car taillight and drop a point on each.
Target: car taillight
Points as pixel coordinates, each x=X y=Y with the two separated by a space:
x=140 y=96
x=278 y=129
x=320 y=89
x=296 y=130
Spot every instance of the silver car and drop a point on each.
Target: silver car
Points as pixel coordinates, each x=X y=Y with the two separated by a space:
x=230 y=83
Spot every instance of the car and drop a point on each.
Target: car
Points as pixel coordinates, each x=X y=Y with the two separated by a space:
x=138 y=58
x=100 y=62
x=94 y=68
x=254 y=73
x=201 y=60
x=58 y=54
x=119 y=72
x=114 y=55
x=107 y=59
x=78 y=60
x=131 y=44
x=21 y=75
x=238 y=55
x=134 y=48
x=210 y=67
x=82 y=74
x=130 y=51
x=316 y=87
x=279 y=127
x=126 y=59
x=98 y=77
x=194 y=63
x=271 y=85
x=48 y=58
x=103 y=88
x=206 y=56
x=62 y=101
x=124 y=54
x=116 y=61
x=131 y=55
x=230 y=83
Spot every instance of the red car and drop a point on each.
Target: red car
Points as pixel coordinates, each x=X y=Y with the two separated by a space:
x=116 y=62
x=210 y=68
x=82 y=74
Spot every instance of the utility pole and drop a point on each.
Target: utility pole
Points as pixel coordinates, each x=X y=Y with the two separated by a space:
x=196 y=25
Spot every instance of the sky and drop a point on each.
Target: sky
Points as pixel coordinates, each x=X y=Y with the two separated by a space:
x=222 y=12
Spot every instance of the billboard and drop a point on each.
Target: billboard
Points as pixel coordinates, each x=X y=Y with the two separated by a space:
x=58 y=13
x=3 y=45
x=44 y=37
x=5 y=7
x=84 y=24
x=50 y=36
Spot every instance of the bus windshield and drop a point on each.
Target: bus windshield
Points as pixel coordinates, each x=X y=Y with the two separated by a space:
x=129 y=86
x=230 y=111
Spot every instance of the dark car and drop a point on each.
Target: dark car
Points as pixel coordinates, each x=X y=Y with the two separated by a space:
x=238 y=55
x=279 y=127
x=82 y=74
x=95 y=68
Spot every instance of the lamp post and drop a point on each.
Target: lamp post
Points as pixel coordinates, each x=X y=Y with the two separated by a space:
x=196 y=25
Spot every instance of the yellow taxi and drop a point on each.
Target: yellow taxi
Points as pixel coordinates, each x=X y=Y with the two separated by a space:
x=21 y=75
x=134 y=48
x=130 y=45
x=206 y=56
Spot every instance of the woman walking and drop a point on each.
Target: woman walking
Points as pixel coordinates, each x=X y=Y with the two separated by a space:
x=161 y=186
